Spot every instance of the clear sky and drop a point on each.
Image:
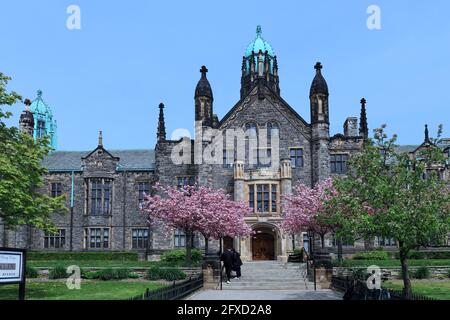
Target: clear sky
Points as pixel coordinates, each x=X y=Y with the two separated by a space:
x=129 y=56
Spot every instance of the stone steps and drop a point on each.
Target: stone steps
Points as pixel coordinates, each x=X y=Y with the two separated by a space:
x=270 y=275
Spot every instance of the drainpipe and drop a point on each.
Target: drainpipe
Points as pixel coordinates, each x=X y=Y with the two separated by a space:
x=124 y=208
x=71 y=210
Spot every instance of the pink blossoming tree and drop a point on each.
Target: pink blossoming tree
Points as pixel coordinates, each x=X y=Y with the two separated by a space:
x=192 y=209
x=302 y=208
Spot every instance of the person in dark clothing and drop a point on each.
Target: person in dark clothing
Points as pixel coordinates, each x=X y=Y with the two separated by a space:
x=227 y=258
x=237 y=263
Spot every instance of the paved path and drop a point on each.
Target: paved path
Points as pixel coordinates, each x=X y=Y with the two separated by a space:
x=323 y=294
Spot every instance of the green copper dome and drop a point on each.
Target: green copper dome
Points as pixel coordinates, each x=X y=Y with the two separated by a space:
x=44 y=124
x=259 y=44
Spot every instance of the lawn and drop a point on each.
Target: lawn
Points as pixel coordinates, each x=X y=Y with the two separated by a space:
x=394 y=263
x=90 y=290
x=437 y=289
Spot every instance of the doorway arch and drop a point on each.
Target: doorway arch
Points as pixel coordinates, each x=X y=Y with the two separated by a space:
x=264 y=243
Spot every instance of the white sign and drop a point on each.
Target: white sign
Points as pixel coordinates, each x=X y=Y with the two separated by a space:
x=11 y=266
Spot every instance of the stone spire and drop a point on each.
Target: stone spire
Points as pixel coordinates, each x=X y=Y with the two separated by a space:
x=318 y=97
x=427 y=135
x=161 y=134
x=319 y=84
x=204 y=100
x=100 y=139
x=363 y=127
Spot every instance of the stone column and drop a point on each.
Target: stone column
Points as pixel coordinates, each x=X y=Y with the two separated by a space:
x=239 y=195
x=239 y=181
x=285 y=189
x=286 y=177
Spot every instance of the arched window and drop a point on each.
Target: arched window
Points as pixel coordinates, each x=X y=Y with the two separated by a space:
x=251 y=144
x=265 y=151
x=273 y=130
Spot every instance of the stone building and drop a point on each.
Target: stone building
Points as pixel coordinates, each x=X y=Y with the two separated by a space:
x=279 y=149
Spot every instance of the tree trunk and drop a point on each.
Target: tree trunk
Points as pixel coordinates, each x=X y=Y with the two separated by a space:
x=188 y=246
x=407 y=289
x=293 y=242
x=339 y=250
x=206 y=245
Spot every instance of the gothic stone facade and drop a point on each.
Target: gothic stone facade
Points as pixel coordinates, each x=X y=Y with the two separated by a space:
x=103 y=187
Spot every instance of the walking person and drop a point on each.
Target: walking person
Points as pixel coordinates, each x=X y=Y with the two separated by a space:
x=237 y=263
x=227 y=258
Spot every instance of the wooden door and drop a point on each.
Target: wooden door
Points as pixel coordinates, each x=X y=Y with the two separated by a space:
x=263 y=247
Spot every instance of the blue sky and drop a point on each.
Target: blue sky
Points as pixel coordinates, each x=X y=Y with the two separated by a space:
x=131 y=55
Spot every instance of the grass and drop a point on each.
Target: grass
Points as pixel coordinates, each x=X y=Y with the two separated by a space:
x=437 y=289
x=394 y=263
x=90 y=290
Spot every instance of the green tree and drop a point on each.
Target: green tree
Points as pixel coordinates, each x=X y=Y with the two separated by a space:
x=21 y=172
x=393 y=194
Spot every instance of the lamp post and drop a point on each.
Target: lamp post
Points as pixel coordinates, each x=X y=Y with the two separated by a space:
x=311 y=252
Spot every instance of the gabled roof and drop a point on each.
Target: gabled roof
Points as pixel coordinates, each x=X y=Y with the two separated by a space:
x=133 y=160
x=232 y=110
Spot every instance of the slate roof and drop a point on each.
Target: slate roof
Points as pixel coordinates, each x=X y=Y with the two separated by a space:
x=137 y=160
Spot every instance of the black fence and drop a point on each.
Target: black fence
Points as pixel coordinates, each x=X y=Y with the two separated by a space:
x=356 y=289
x=174 y=292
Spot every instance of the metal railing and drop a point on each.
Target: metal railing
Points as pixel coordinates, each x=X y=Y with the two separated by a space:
x=175 y=291
x=357 y=290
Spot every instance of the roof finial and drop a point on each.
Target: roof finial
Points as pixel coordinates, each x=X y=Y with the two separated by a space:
x=27 y=103
x=203 y=71
x=39 y=93
x=363 y=126
x=318 y=66
x=100 y=139
x=161 y=133
x=427 y=136
x=258 y=31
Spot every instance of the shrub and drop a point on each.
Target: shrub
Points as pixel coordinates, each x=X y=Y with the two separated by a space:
x=133 y=275
x=110 y=274
x=83 y=256
x=299 y=251
x=31 y=272
x=178 y=256
x=58 y=272
x=89 y=275
x=172 y=274
x=422 y=273
x=371 y=255
x=122 y=273
x=154 y=273
x=361 y=274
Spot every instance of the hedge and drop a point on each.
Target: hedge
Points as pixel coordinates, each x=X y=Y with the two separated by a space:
x=82 y=256
x=371 y=255
x=179 y=256
x=417 y=255
x=109 y=274
x=170 y=274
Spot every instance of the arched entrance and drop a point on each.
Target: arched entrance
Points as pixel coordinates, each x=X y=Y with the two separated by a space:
x=263 y=243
